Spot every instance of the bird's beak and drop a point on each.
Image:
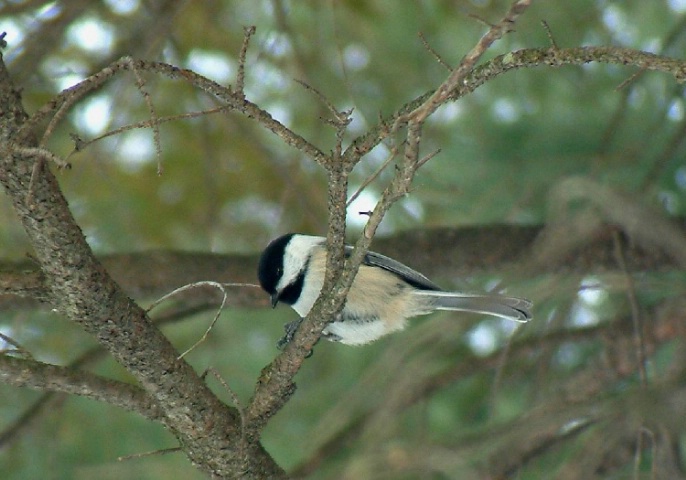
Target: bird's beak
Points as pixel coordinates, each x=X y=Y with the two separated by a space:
x=275 y=299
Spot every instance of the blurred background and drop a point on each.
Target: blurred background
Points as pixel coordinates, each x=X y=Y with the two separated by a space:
x=454 y=396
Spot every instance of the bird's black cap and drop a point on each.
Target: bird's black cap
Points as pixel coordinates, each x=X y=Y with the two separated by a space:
x=270 y=268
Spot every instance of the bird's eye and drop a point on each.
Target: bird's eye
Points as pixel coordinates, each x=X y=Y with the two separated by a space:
x=279 y=272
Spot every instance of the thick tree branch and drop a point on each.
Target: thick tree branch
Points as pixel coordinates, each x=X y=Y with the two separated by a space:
x=84 y=360
x=53 y=378
x=80 y=288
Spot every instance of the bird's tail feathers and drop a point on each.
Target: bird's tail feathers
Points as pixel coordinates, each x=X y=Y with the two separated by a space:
x=510 y=308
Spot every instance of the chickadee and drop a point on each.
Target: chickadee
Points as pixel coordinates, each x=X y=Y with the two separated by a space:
x=384 y=294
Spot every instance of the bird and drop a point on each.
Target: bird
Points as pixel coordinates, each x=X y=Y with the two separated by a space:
x=383 y=296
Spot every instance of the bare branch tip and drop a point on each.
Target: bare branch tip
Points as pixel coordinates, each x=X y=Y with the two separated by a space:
x=482 y=21
x=549 y=33
x=426 y=158
x=433 y=52
x=240 y=75
x=339 y=116
x=629 y=80
x=135 y=456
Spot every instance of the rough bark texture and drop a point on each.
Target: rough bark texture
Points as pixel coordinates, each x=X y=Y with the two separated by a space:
x=78 y=286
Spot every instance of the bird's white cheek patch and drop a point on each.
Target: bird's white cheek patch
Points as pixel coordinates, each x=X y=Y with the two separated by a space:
x=312 y=287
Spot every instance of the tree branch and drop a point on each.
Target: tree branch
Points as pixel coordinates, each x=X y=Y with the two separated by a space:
x=526 y=58
x=79 y=287
x=53 y=378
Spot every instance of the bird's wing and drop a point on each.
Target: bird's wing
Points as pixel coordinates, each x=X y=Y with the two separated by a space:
x=411 y=276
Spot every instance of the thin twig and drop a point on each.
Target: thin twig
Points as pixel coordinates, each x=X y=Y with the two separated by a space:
x=18 y=348
x=135 y=456
x=411 y=151
x=341 y=121
x=481 y=20
x=340 y=116
x=373 y=176
x=140 y=84
x=80 y=144
x=195 y=285
x=209 y=328
x=240 y=75
x=549 y=32
x=427 y=157
x=433 y=52
x=44 y=154
x=56 y=119
x=71 y=95
x=220 y=286
x=632 y=78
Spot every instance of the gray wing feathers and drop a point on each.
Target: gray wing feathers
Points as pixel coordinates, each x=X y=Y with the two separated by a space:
x=411 y=276
x=511 y=308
